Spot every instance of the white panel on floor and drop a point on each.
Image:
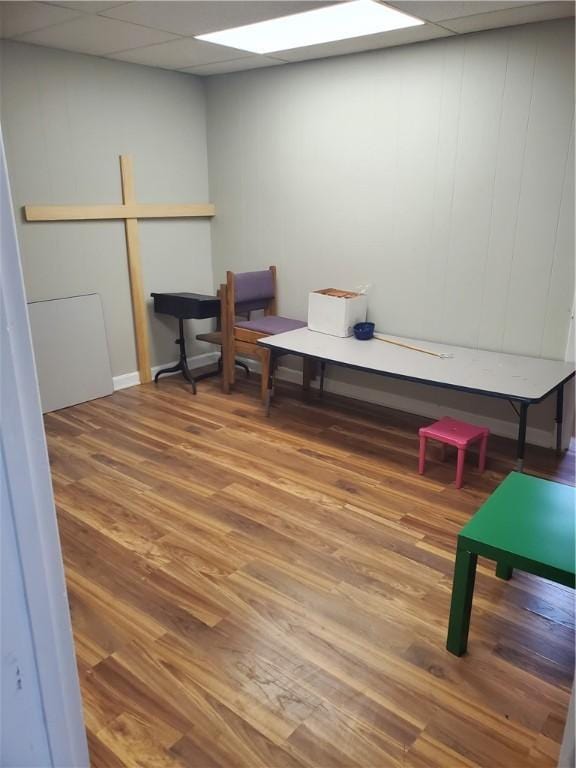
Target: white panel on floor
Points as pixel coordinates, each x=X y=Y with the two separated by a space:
x=71 y=350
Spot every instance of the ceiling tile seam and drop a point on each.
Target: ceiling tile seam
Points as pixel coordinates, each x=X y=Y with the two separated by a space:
x=514 y=7
x=224 y=61
x=438 y=26
x=143 y=26
x=141 y=48
x=467 y=16
x=112 y=8
x=103 y=15
x=162 y=66
x=446 y=29
x=83 y=15
x=108 y=57
x=17 y=39
x=476 y=31
x=167 y=42
x=175 y=39
x=64 y=8
x=75 y=10
x=211 y=63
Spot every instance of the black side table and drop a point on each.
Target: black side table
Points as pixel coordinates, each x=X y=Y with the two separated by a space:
x=186 y=306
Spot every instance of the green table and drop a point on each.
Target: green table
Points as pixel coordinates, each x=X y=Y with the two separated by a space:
x=527 y=523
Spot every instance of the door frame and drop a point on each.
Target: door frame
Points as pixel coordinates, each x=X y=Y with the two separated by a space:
x=30 y=488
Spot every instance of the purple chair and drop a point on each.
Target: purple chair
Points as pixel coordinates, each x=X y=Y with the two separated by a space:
x=249 y=292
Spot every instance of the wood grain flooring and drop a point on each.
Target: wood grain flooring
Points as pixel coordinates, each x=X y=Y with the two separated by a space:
x=274 y=593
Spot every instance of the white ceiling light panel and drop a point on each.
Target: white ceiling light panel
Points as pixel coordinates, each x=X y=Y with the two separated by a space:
x=336 y=22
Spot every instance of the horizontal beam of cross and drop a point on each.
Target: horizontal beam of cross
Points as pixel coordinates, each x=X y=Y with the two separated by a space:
x=134 y=211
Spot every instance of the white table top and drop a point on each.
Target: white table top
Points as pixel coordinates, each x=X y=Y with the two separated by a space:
x=473 y=370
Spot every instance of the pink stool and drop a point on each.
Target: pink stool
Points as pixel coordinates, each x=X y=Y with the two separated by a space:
x=458 y=433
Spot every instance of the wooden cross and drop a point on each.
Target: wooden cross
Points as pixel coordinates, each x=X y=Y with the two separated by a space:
x=130 y=211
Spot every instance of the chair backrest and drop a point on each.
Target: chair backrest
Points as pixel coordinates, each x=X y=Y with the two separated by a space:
x=253 y=290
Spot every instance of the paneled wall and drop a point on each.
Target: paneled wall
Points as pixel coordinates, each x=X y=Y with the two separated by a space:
x=66 y=119
x=440 y=173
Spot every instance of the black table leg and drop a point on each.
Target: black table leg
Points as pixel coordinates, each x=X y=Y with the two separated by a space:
x=270 y=391
x=521 y=437
x=187 y=373
x=244 y=367
x=182 y=364
x=218 y=369
x=559 y=412
x=322 y=375
x=172 y=369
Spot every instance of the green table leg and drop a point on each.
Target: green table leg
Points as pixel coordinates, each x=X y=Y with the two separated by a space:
x=461 y=607
x=504 y=571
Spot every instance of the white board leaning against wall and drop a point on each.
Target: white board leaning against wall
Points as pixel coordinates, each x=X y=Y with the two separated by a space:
x=71 y=350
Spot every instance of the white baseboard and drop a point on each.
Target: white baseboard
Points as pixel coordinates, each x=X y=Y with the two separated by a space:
x=126 y=380
x=541 y=437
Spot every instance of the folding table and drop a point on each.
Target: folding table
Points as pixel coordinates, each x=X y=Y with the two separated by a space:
x=520 y=380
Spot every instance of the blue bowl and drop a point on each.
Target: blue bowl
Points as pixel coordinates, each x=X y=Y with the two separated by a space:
x=363 y=331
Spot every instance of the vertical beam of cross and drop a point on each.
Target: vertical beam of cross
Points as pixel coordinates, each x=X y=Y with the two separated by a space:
x=135 y=273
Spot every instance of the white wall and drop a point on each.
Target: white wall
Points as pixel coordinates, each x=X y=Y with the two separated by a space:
x=439 y=172
x=66 y=119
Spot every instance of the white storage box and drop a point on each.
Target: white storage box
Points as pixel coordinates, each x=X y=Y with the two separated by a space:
x=336 y=312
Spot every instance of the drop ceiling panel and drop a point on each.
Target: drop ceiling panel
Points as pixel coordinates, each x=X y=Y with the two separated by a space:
x=18 y=18
x=160 y=33
x=439 y=11
x=206 y=15
x=236 y=65
x=95 y=35
x=511 y=16
x=368 y=43
x=179 y=54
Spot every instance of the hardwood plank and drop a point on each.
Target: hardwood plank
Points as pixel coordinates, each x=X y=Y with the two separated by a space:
x=101 y=756
x=99 y=618
x=234 y=745
x=127 y=736
x=478 y=743
x=257 y=692
x=170 y=602
x=99 y=707
x=507 y=693
x=113 y=520
x=330 y=738
x=203 y=553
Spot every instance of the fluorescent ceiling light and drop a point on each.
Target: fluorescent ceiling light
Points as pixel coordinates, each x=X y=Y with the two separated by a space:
x=323 y=25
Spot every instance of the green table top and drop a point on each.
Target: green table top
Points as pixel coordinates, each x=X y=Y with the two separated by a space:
x=529 y=518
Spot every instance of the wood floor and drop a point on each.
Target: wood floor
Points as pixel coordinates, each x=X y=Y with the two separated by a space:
x=274 y=593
